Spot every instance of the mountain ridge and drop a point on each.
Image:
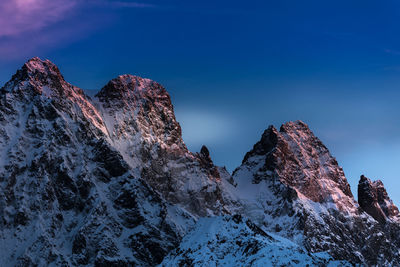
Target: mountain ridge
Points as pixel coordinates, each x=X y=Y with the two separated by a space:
x=108 y=180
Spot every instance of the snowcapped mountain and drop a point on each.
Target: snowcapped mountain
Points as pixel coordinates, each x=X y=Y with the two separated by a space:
x=108 y=181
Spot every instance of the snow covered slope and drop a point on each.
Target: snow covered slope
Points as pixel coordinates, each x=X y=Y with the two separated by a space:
x=234 y=241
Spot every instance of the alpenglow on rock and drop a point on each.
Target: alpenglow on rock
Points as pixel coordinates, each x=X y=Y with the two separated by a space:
x=108 y=181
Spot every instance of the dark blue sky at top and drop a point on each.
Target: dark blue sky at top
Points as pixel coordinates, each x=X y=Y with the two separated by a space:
x=234 y=67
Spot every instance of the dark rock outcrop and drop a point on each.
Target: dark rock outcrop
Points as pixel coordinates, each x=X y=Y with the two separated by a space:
x=374 y=199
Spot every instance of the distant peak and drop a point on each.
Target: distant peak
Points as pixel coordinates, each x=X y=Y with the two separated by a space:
x=36 y=60
x=130 y=81
x=37 y=65
x=39 y=73
x=271 y=136
x=299 y=159
x=130 y=86
x=271 y=128
x=292 y=126
x=129 y=78
x=43 y=77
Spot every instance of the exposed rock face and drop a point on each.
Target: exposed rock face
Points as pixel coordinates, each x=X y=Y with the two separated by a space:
x=299 y=160
x=291 y=184
x=374 y=199
x=141 y=124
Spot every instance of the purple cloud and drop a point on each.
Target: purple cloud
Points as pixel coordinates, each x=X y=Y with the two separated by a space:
x=131 y=4
x=50 y=24
x=19 y=16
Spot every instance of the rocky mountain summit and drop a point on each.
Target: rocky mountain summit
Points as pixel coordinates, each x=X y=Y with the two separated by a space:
x=108 y=181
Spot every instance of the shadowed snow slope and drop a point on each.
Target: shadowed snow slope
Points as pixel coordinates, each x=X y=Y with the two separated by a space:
x=233 y=241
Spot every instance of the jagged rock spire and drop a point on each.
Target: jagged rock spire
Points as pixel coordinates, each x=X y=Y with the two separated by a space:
x=374 y=199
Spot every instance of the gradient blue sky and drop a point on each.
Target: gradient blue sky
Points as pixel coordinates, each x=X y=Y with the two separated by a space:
x=235 y=67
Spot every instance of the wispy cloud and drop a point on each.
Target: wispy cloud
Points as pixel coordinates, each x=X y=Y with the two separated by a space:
x=123 y=4
x=20 y=16
x=37 y=43
x=30 y=27
x=119 y=4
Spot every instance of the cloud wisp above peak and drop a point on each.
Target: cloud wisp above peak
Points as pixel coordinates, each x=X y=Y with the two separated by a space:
x=20 y=16
x=47 y=24
x=125 y=4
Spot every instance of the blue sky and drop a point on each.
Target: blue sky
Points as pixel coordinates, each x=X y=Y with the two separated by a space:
x=235 y=67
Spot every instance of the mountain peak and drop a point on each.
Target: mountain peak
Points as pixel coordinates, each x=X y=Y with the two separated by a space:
x=132 y=87
x=41 y=77
x=129 y=81
x=301 y=161
x=42 y=72
x=36 y=64
x=374 y=199
x=143 y=103
x=292 y=126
